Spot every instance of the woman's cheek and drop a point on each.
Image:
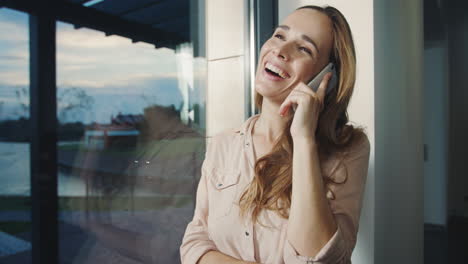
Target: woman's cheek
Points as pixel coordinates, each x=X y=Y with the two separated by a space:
x=306 y=72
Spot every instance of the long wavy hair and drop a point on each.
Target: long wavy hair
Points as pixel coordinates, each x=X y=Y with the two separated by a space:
x=271 y=187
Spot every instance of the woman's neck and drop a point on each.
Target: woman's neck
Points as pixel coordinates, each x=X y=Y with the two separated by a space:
x=270 y=124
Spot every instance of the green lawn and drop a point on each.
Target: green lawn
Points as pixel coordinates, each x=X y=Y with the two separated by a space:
x=15 y=203
x=167 y=148
x=18 y=203
x=15 y=227
x=119 y=203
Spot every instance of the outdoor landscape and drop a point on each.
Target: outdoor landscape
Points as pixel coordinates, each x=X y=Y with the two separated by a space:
x=131 y=140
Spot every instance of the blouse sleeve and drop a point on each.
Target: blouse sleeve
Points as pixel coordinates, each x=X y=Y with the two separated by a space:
x=196 y=241
x=346 y=208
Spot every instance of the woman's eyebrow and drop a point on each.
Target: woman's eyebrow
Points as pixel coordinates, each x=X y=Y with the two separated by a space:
x=304 y=37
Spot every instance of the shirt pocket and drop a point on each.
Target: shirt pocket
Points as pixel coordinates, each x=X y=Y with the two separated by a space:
x=224 y=189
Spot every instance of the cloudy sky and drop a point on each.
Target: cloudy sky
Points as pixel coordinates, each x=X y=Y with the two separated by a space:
x=119 y=75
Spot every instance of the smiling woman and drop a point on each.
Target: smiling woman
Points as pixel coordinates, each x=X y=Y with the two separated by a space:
x=287 y=187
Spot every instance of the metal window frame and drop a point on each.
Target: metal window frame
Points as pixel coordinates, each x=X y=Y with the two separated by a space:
x=262 y=18
x=43 y=153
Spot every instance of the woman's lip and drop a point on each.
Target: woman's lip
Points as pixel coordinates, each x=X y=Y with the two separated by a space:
x=271 y=77
x=277 y=66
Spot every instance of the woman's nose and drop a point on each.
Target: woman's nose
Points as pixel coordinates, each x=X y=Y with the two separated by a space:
x=281 y=51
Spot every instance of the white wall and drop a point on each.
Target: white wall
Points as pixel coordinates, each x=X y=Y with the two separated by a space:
x=361 y=109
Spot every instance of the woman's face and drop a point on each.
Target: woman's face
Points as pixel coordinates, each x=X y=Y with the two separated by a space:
x=298 y=50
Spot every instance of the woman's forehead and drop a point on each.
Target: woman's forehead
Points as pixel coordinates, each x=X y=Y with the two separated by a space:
x=309 y=21
x=313 y=23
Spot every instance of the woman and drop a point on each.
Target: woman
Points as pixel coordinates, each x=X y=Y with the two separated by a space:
x=300 y=201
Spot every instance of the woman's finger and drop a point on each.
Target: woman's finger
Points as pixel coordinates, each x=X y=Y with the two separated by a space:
x=307 y=93
x=323 y=86
x=304 y=89
x=291 y=99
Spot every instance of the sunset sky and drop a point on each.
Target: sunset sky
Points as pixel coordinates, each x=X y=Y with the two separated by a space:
x=114 y=71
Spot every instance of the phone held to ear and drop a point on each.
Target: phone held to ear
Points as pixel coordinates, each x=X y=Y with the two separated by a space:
x=315 y=83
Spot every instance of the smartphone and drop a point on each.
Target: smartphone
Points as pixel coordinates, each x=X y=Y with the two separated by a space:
x=315 y=82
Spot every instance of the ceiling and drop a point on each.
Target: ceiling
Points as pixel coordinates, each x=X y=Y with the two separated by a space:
x=163 y=23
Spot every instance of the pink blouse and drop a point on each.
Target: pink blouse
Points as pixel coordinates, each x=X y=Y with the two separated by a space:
x=227 y=170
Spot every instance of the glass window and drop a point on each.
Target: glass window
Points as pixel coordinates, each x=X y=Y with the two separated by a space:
x=15 y=208
x=131 y=144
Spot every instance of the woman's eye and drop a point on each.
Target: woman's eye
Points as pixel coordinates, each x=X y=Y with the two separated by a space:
x=279 y=36
x=305 y=50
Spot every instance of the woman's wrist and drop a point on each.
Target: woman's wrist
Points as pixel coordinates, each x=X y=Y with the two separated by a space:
x=304 y=141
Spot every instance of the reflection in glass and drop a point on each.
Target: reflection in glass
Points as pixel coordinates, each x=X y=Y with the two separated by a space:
x=15 y=202
x=131 y=144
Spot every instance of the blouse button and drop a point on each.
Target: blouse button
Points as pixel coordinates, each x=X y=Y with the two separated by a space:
x=242 y=133
x=247 y=233
x=247 y=143
x=220 y=184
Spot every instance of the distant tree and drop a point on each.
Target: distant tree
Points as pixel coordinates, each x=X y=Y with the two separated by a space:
x=196 y=113
x=1 y=108
x=149 y=99
x=22 y=95
x=72 y=102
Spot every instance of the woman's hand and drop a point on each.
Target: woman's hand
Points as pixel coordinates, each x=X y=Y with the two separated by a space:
x=309 y=105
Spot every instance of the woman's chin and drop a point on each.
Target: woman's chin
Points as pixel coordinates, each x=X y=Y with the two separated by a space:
x=272 y=93
x=267 y=90
x=271 y=96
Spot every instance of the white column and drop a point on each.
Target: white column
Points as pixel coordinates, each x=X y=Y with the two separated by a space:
x=225 y=33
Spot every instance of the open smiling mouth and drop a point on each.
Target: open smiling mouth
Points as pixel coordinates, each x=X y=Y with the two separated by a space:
x=275 y=71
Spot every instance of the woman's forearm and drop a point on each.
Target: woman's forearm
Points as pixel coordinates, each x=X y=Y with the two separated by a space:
x=311 y=222
x=216 y=257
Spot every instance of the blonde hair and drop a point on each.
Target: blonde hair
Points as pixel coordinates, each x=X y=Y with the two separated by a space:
x=271 y=187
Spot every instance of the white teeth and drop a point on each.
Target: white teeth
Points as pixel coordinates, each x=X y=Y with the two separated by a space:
x=275 y=69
